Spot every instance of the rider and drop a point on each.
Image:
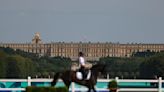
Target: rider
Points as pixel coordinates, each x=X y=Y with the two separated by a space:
x=82 y=64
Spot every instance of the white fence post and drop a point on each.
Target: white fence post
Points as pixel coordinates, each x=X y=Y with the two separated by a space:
x=160 y=84
x=117 y=80
x=29 y=81
x=73 y=87
x=108 y=76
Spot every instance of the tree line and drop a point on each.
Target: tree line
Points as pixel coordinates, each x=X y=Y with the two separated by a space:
x=20 y=64
x=141 y=65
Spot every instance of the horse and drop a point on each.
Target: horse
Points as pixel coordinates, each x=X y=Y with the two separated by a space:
x=70 y=76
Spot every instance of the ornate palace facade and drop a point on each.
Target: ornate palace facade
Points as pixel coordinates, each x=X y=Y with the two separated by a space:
x=93 y=51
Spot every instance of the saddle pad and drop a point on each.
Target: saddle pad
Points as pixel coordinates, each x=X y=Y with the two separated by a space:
x=80 y=77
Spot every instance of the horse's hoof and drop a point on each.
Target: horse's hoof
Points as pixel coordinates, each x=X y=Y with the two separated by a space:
x=52 y=84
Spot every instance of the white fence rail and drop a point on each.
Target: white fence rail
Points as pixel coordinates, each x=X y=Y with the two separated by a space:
x=158 y=82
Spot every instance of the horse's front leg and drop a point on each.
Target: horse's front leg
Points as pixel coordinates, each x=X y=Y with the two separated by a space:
x=89 y=89
x=93 y=89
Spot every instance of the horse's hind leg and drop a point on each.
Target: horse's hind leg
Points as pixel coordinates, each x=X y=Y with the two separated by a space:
x=68 y=84
x=53 y=83
x=56 y=77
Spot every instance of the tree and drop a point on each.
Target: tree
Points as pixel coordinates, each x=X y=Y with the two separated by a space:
x=124 y=65
x=19 y=67
x=2 y=68
x=3 y=55
x=152 y=67
x=13 y=70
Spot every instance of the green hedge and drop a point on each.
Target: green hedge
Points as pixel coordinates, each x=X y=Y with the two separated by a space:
x=46 y=89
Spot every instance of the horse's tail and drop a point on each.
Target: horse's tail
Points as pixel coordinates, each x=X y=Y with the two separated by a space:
x=56 y=77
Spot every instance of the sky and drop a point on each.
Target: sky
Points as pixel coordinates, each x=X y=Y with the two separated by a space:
x=124 y=21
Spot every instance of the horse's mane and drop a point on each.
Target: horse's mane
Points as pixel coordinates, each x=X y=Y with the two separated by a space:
x=96 y=66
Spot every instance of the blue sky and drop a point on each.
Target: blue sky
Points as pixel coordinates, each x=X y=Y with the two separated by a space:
x=124 y=21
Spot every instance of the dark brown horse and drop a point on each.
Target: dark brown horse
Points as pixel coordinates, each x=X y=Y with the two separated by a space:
x=70 y=76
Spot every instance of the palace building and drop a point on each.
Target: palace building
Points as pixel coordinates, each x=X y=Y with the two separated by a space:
x=92 y=51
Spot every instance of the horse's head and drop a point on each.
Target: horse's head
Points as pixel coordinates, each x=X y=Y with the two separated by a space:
x=100 y=67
